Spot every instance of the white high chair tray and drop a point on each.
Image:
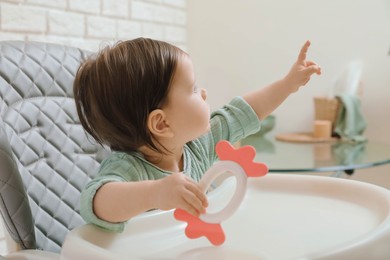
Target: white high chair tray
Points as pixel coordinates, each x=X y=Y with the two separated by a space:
x=281 y=217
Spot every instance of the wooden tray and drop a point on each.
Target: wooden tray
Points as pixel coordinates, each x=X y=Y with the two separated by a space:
x=304 y=138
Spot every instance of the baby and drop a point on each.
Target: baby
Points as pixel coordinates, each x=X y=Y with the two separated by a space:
x=141 y=99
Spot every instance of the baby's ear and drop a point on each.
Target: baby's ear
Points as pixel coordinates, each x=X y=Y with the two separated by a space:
x=157 y=124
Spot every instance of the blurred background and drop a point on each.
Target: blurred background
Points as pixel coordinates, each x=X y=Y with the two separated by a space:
x=236 y=46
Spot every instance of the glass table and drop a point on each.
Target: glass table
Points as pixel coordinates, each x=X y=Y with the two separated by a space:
x=336 y=157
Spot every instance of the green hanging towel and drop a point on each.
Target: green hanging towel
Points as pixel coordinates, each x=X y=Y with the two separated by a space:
x=350 y=123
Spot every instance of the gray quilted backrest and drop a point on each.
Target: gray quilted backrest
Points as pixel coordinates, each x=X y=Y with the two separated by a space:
x=45 y=156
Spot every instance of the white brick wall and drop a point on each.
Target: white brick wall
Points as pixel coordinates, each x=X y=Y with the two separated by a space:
x=90 y=23
x=129 y=29
x=84 y=6
x=101 y=27
x=59 y=23
x=23 y=19
x=117 y=8
x=50 y=3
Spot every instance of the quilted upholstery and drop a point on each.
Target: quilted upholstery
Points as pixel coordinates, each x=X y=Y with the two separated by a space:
x=45 y=156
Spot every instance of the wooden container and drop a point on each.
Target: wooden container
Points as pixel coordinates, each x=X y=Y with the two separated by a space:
x=326 y=109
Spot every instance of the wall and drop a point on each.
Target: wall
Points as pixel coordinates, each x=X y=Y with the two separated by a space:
x=238 y=46
x=90 y=23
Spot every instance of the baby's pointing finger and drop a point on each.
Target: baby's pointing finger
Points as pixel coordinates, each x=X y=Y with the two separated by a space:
x=303 y=52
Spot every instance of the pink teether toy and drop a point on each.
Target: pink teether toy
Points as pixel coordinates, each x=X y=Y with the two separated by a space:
x=240 y=163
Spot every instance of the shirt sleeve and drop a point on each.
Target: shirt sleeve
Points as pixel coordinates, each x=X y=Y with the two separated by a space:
x=86 y=207
x=111 y=170
x=233 y=122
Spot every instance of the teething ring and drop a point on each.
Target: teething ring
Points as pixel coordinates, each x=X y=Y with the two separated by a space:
x=215 y=171
x=240 y=163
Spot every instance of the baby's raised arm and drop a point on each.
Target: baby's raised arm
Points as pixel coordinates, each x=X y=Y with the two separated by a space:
x=265 y=100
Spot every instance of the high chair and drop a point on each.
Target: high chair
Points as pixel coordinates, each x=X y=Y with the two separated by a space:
x=45 y=156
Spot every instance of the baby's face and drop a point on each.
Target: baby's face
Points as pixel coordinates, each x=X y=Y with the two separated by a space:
x=186 y=108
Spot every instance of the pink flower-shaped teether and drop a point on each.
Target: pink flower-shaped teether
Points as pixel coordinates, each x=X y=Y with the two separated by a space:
x=240 y=163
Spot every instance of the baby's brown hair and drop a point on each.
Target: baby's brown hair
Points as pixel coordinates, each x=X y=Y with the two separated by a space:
x=117 y=89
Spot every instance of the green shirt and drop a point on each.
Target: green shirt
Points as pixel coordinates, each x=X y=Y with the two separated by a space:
x=233 y=122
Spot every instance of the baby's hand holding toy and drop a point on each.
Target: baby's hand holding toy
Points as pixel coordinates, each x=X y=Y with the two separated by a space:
x=179 y=191
x=238 y=162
